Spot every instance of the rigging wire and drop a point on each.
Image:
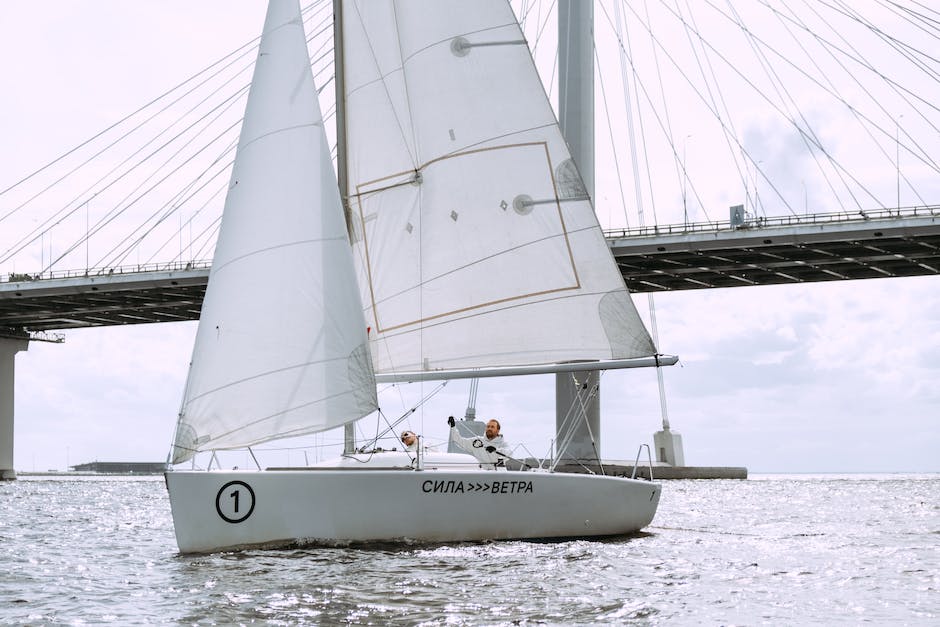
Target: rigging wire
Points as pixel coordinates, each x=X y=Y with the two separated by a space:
x=566 y=431
x=390 y=427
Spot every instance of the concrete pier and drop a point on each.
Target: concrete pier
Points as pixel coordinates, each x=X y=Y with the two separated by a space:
x=667 y=445
x=622 y=468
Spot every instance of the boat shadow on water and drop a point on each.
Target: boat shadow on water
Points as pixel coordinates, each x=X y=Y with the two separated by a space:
x=302 y=548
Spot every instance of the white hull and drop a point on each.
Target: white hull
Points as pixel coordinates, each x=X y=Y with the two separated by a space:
x=226 y=509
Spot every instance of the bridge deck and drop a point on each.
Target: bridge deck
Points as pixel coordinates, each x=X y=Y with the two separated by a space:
x=121 y=296
x=799 y=249
x=794 y=249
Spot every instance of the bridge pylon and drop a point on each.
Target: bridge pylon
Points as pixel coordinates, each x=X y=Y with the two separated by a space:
x=10 y=345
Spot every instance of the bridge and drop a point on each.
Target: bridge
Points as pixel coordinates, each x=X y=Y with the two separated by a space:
x=733 y=135
x=780 y=250
x=768 y=251
x=771 y=251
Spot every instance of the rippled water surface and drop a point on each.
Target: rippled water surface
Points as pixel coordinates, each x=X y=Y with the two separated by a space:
x=789 y=549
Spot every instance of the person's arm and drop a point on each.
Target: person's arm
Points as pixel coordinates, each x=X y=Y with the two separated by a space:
x=500 y=448
x=498 y=444
x=464 y=443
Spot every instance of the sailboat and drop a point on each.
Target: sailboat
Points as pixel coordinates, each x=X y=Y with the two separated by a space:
x=458 y=242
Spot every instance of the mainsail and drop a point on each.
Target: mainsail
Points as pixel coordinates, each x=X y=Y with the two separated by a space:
x=281 y=347
x=476 y=243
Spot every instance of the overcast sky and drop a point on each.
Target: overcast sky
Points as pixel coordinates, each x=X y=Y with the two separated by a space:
x=836 y=377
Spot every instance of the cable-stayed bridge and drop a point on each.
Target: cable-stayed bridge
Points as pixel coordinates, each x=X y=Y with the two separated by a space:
x=804 y=249
x=773 y=108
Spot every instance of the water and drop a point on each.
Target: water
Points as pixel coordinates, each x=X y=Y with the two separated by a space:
x=789 y=549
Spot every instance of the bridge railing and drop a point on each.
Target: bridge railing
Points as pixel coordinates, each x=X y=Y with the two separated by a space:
x=171 y=266
x=655 y=230
x=658 y=230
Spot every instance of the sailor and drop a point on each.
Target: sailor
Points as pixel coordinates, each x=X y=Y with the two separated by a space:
x=410 y=441
x=490 y=449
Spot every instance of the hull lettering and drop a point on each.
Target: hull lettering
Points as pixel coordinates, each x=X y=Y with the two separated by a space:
x=450 y=486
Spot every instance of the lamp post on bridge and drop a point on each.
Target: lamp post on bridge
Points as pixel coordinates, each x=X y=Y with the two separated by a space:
x=897 y=156
x=685 y=184
x=805 y=210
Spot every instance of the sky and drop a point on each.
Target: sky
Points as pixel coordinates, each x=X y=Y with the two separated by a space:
x=835 y=377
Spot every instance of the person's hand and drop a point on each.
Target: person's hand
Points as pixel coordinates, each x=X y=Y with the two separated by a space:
x=450 y=422
x=490 y=449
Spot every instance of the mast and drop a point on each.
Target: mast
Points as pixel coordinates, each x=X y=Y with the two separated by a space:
x=342 y=178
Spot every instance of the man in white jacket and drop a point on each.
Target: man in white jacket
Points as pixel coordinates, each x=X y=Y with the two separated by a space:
x=490 y=449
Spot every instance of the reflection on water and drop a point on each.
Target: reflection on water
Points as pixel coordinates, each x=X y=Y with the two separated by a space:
x=784 y=549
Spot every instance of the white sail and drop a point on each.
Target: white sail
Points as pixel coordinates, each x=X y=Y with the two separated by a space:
x=270 y=360
x=462 y=270
x=475 y=241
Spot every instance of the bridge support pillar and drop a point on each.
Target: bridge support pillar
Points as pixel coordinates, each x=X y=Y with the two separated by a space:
x=579 y=398
x=578 y=416
x=9 y=347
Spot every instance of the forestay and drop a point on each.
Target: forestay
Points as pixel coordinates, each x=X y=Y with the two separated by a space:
x=270 y=360
x=475 y=240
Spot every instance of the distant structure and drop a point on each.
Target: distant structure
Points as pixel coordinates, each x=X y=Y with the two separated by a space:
x=124 y=468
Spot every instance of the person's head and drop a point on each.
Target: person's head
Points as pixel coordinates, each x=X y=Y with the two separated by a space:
x=492 y=429
x=407 y=438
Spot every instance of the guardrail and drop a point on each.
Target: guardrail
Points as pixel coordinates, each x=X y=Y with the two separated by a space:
x=657 y=230
x=172 y=266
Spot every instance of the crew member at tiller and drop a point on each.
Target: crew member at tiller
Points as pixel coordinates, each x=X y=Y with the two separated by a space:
x=491 y=449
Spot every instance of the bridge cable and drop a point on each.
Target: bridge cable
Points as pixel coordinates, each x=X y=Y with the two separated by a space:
x=875 y=101
x=63 y=213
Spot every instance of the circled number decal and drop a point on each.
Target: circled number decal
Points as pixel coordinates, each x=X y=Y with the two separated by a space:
x=235 y=501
